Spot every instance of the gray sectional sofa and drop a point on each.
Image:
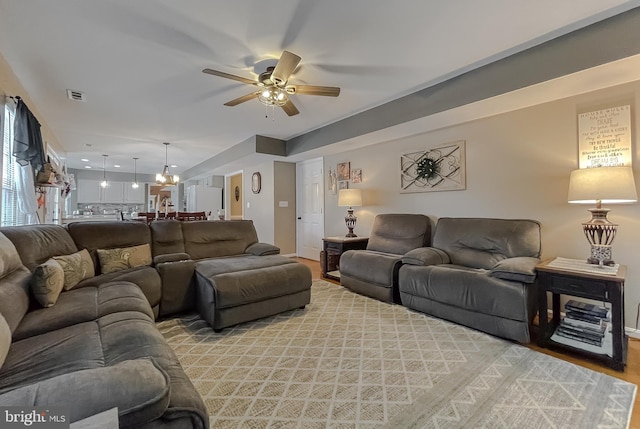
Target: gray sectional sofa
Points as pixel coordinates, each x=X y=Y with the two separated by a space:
x=95 y=345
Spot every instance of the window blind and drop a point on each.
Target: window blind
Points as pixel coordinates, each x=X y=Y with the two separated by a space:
x=10 y=213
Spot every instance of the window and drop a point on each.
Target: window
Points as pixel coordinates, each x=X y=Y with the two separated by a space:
x=11 y=215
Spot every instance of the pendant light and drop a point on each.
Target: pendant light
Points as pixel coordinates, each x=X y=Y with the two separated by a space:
x=135 y=185
x=104 y=182
x=165 y=178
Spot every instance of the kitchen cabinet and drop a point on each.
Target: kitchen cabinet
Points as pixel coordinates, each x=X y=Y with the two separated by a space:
x=114 y=193
x=90 y=191
x=134 y=196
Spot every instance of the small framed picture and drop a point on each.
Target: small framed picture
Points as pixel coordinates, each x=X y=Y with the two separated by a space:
x=356 y=175
x=344 y=171
x=343 y=184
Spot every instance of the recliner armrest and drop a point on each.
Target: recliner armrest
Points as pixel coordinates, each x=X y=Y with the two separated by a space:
x=138 y=388
x=425 y=256
x=170 y=257
x=262 y=249
x=520 y=269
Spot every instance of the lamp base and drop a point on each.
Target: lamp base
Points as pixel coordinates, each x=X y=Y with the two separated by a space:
x=350 y=220
x=600 y=233
x=601 y=255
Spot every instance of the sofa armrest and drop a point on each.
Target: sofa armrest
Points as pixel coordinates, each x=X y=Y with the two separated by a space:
x=178 y=287
x=138 y=388
x=520 y=269
x=262 y=249
x=170 y=257
x=425 y=256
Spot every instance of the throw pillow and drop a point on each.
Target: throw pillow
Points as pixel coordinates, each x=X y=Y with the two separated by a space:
x=112 y=260
x=77 y=267
x=5 y=339
x=47 y=282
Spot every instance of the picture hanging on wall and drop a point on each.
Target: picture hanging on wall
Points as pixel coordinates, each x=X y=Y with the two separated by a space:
x=343 y=184
x=356 y=175
x=332 y=182
x=441 y=168
x=344 y=172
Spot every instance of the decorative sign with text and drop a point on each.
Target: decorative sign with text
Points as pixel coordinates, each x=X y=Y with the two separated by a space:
x=604 y=137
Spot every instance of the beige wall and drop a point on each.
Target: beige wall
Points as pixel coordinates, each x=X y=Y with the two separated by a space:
x=518 y=166
x=259 y=207
x=235 y=207
x=10 y=85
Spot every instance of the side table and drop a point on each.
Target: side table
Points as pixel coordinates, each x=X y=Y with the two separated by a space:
x=333 y=248
x=589 y=284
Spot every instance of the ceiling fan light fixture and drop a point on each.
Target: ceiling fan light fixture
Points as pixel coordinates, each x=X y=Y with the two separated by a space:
x=273 y=96
x=165 y=178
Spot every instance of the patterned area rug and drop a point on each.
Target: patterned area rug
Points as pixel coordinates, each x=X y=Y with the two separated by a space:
x=348 y=361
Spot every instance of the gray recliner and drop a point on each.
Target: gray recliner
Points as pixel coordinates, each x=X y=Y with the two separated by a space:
x=479 y=273
x=374 y=271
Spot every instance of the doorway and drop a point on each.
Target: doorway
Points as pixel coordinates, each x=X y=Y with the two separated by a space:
x=310 y=208
x=234 y=197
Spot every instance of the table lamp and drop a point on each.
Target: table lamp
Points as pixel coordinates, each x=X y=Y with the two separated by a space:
x=350 y=198
x=609 y=185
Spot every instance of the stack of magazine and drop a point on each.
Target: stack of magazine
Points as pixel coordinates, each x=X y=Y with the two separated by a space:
x=585 y=326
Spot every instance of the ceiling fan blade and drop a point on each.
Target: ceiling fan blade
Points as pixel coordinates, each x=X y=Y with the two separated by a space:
x=242 y=99
x=327 y=91
x=286 y=65
x=230 y=76
x=290 y=108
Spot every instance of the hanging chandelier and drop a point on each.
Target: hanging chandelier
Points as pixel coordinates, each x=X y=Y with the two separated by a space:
x=135 y=185
x=165 y=178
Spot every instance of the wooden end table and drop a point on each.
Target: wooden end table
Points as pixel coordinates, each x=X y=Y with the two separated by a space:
x=591 y=285
x=333 y=248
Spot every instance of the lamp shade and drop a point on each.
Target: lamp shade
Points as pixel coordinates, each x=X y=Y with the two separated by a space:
x=349 y=198
x=610 y=185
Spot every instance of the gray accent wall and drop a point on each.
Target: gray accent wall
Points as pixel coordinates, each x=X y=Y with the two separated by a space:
x=600 y=43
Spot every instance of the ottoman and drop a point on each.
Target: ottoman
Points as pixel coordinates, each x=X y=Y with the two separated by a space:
x=239 y=289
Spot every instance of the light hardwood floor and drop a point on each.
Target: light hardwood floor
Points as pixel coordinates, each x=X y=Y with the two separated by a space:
x=631 y=374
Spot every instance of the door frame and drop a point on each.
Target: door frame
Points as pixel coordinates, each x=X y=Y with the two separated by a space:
x=299 y=199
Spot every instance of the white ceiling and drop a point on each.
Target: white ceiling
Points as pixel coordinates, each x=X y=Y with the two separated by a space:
x=139 y=63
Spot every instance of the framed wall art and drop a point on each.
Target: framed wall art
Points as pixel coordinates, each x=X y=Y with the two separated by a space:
x=344 y=171
x=356 y=175
x=332 y=182
x=256 y=183
x=604 y=137
x=343 y=184
x=441 y=168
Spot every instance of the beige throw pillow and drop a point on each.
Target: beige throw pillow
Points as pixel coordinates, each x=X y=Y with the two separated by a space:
x=112 y=260
x=47 y=282
x=77 y=267
x=5 y=339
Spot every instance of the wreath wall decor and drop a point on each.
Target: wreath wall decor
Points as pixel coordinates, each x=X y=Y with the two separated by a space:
x=441 y=168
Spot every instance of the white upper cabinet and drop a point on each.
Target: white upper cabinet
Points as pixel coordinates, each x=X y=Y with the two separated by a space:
x=132 y=195
x=90 y=191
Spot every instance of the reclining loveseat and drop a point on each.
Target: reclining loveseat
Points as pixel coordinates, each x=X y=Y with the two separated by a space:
x=478 y=273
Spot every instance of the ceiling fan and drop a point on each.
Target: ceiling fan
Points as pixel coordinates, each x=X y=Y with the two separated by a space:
x=274 y=89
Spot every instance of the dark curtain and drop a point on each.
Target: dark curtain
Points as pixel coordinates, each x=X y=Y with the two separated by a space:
x=27 y=146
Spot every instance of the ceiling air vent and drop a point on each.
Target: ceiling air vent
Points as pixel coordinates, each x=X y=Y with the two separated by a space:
x=75 y=95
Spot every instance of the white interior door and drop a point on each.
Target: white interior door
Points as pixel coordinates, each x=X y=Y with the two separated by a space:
x=310 y=208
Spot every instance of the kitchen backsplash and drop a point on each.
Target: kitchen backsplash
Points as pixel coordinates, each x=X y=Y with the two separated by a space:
x=106 y=208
